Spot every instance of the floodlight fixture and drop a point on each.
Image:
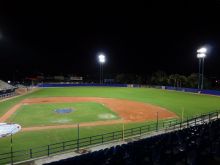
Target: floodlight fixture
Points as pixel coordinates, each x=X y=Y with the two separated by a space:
x=101 y=58
x=202 y=50
x=201 y=55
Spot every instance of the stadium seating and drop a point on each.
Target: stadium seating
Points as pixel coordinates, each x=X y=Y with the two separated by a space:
x=5 y=86
x=194 y=145
x=6 y=89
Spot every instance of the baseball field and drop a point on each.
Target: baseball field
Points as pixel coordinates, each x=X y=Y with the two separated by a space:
x=51 y=115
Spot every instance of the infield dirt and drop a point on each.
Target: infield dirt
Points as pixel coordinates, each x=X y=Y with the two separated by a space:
x=129 y=111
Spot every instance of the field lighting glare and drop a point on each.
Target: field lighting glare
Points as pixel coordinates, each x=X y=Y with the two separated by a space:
x=201 y=55
x=202 y=50
x=101 y=58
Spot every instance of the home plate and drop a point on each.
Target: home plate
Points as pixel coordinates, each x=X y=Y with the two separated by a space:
x=6 y=129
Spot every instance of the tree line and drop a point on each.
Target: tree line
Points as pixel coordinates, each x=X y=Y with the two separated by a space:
x=162 y=78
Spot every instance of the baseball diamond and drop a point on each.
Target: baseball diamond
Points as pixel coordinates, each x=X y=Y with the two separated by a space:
x=96 y=110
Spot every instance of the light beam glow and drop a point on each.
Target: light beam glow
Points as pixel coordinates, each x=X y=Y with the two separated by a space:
x=101 y=58
x=202 y=50
x=201 y=55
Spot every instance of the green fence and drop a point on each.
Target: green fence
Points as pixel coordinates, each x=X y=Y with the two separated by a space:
x=77 y=144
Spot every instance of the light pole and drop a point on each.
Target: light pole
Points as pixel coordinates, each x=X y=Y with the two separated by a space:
x=101 y=62
x=201 y=54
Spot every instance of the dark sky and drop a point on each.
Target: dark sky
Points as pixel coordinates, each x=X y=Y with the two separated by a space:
x=136 y=38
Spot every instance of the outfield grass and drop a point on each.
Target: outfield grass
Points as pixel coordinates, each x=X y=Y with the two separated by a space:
x=172 y=100
x=44 y=114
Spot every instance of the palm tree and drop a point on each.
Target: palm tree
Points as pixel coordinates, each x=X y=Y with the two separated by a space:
x=172 y=80
x=177 y=80
x=182 y=81
x=192 y=80
x=159 y=78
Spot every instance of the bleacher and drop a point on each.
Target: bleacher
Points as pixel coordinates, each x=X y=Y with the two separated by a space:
x=6 y=90
x=195 y=145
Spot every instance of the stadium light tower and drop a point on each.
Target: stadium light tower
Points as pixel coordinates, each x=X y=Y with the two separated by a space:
x=101 y=62
x=201 y=54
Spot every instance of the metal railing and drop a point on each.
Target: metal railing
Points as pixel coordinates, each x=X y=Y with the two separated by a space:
x=6 y=95
x=80 y=143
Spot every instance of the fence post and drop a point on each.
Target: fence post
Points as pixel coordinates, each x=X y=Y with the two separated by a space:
x=140 y=131
x=31 y=153
x=63 y=146
x=78 y=137
x=123 y=132
x=12 y=161
x=182 y=115
x=90 y=140
x=187 y=122
x=12 y=157
x=202 y=118
x=157 y=123
x=48 y=150
x=113 y=135
x=102 y=139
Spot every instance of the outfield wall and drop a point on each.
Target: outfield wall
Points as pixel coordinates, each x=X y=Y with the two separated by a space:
x=194 y=90
x=79 y=85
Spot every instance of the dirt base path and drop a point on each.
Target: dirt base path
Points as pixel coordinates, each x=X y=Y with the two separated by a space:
x=88 y=124
x=10 y=112
x=129 y=111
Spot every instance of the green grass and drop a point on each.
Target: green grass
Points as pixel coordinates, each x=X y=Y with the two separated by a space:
x=5 y=105
x=44 y=114
x=172 y=100
x=27 y=140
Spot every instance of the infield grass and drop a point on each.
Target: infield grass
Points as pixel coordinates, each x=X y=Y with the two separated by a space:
x=44 y=114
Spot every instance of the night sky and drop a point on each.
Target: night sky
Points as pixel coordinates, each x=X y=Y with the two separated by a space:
x=136 y=38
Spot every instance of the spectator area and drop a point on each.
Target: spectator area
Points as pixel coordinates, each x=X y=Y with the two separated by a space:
x=194 y=145
x=6 y=90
